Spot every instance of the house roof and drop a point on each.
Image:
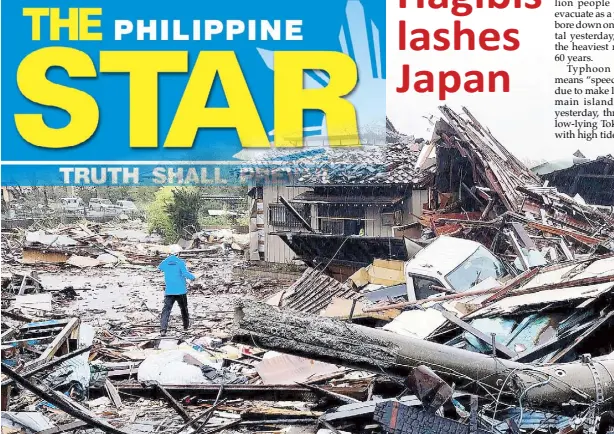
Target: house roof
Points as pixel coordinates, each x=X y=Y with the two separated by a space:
x=312 y=197
x=576 y=164
x=314 y=291
x=559 y=164
x=393 y=163
x=572 y=272
x=351 y=250
x=366 y=165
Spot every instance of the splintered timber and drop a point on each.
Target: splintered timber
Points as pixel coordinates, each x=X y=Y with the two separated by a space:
x=445 y=82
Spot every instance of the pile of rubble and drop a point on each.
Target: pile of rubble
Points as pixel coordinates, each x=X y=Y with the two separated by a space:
x=81 y=348
x=500 y=321
x=87 y=244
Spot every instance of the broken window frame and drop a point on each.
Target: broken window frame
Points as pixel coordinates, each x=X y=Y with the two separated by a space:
x=395 y=216
x=336 y=219
x=485 y=254
x=434 y=282
x=280 y=217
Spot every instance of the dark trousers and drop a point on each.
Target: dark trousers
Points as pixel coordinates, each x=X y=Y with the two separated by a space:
x=169 y=301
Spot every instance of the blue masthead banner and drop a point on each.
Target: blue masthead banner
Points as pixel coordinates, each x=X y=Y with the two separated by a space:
x=109 y=93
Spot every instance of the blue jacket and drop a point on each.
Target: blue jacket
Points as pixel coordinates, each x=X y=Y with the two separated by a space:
x=175 y=274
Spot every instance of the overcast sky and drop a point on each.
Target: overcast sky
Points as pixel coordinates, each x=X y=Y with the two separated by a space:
x=522 y=120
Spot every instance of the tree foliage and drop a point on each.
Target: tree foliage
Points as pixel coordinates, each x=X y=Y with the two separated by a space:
x=174 y=212
x=158 y=219
x=184 y=210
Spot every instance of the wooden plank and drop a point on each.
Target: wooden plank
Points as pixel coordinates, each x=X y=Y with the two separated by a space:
x=113 y=394
x=63 y=403
x=501 y=349
x=523 y=236
x=57 y=343
x=56 y=361
x=205 y=413
x=176 y=405
x=7 y=334
x=45 y=324
x=514 y=283
x=22 y=288
x=63 y=428
x=596 y=324
x=16 y=316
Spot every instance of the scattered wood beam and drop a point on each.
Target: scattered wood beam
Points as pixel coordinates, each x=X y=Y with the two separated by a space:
x=113 y=394
x=175 y=404
x=340 y=397
x=16 y=316
x=63 y=428
x=62 y=405
x=296 y=214
x=532 y=290
x=200 y=416
x=68 y=330
x=275 y=392
x=217 y=399
x=512 y=284
x=54 y=362
x=329 y=426
x=223 y=427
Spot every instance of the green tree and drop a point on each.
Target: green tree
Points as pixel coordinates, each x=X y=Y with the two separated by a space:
x=184 y=210
x=174 y=212
x=158 y=219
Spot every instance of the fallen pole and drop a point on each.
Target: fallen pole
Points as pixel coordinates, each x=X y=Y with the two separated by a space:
x=554 y=386
x=62 y=405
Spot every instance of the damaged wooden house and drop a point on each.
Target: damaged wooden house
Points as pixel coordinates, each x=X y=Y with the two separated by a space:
x=344 y=206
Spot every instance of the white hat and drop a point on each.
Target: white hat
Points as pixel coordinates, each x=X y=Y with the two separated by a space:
x=174 y=249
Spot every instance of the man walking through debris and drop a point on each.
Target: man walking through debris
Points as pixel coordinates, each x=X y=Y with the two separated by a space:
x=175 y=275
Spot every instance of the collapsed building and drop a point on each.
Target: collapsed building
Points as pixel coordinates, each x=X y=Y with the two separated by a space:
x=590 y=180
x=530 y=280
